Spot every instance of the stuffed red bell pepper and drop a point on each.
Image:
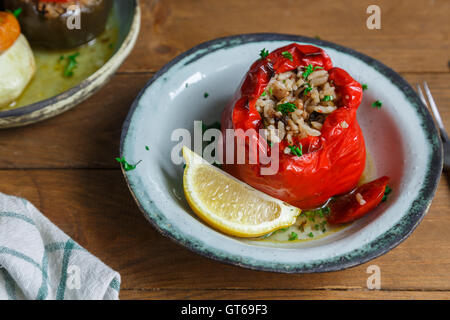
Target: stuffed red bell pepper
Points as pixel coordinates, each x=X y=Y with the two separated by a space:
x=307 y=108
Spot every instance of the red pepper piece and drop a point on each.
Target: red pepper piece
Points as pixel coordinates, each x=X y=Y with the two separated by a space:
x=331 y=164
x=346 y=208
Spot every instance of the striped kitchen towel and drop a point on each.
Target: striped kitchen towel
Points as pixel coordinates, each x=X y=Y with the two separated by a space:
x=39 y=261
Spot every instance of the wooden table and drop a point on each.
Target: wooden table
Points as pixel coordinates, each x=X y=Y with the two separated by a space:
x=66 y=166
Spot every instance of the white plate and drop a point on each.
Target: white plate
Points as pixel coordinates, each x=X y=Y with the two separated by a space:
x=401 y=138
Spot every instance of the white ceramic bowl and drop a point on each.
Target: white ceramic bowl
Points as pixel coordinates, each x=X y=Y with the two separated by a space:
x=401 y=138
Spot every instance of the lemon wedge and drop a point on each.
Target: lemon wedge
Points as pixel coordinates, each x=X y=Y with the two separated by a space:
x=230 y=205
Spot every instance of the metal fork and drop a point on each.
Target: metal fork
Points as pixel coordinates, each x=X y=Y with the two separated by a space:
x=438 y=119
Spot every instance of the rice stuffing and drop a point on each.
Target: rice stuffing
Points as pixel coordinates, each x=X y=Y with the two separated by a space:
x=360 y=199
x=296 y=103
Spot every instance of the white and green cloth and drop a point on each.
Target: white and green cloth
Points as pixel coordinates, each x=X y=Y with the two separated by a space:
x=39 y=261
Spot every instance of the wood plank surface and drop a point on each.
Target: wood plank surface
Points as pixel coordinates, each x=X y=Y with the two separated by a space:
x=66 y=166
x=413 y=35
x=95 y=208
x=283 y=294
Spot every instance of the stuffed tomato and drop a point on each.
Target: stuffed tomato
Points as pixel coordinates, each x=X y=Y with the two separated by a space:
x=294 y=99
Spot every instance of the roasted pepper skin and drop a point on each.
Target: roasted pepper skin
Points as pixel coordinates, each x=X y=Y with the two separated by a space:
x=331 y=164
x=346 y=208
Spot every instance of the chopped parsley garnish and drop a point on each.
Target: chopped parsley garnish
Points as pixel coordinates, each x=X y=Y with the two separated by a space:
x=322 y=225
x=309 y=69
x=61 y=58
x=387 y=191
x=296 y=150
x=293 y=236
x=287 y=55
x=307 y=89
x=147 y=148
x=377 y=104
x=270 y=91
x=328 y=98
x=16 y=12
x=311 y=235
x=263 y=94
x=206 y=95
x=264 y=53
x=322 y=212
x=126 y=165
x=71 y=65
x=287 y=107
x=365 y=87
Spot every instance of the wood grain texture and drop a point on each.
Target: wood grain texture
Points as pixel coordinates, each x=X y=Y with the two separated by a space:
x=66 y=166
x=413 y=35
x=283 y=294
x=95 y=208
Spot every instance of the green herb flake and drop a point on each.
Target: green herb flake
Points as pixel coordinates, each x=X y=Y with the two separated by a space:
x=387 y=191
x=328 y=98
x=147 y=148
x=311 y=235
x=322 y=213
x=309 y=69
x=307 y=89
x=296 y=150
x=263 y=94
x=287 y=55
x=365 y=87
x=263 y=53
x=377 y=104
x=126 y=165
x=271 y=91
x=206 y=95
x=293 y=236
x=71 y=65
x=16 y=12
x=287 y=107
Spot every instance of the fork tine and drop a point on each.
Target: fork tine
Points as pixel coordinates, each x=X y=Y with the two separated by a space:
x=434 y=108
x=422 y=97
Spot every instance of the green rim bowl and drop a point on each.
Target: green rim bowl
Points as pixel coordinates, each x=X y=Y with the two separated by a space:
x=401 y=138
